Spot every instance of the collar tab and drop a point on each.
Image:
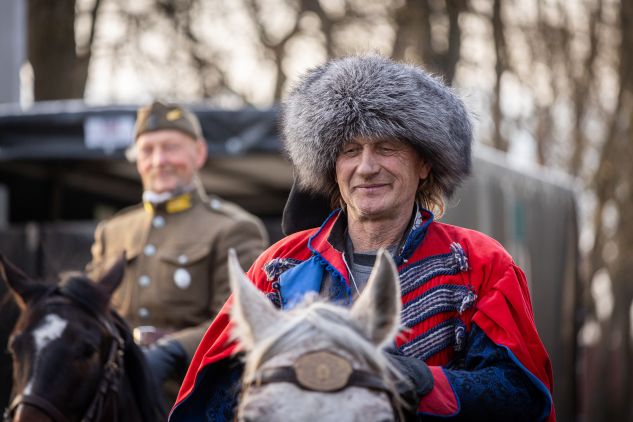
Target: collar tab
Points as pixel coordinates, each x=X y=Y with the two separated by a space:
x=171 y=206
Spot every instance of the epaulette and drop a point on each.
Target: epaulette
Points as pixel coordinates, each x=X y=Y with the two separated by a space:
x=235 y=213
x=214 y=203
x=225 y=207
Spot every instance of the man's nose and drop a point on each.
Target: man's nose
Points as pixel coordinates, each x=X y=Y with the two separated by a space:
x=368 y=163
x=159 y=157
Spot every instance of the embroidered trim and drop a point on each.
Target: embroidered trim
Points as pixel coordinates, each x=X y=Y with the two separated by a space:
x=468 y=300
x=444 y=298
x=460 y=337
x=274 y=298
x=275 y=295
x=424 y=270
x=339 y=291
x=459 y=256
x=416 y=234
x=275 y=267
x=450 y=333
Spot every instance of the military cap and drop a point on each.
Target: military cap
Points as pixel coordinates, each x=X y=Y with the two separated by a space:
x=159 y=116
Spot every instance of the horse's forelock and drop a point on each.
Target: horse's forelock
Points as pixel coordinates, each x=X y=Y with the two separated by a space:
x=317 y=318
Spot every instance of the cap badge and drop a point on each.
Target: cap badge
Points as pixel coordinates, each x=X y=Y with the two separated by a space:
x=174 y=114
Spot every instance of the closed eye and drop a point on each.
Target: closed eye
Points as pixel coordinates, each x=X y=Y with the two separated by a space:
x=351 y=151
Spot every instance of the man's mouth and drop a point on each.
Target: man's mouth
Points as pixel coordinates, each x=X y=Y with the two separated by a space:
x=162 y=173
x=368 y=187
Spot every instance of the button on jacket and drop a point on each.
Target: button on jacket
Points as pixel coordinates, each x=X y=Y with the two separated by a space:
x=176 y=275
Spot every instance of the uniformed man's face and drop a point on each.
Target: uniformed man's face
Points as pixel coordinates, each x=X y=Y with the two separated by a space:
x=378 y=179
x=168 y=159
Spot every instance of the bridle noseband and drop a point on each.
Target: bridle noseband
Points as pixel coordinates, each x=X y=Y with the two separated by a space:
x=110 y=377
x=323 y=371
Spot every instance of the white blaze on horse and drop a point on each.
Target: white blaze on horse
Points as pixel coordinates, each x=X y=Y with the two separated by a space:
x=318 y=361
x=73 y=357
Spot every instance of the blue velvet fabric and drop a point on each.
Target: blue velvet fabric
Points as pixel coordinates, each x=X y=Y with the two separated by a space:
x=296 y=282
x=491 y=385
x=217 y=394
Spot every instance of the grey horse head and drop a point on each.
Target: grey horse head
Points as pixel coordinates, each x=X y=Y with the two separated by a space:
x=330 y=340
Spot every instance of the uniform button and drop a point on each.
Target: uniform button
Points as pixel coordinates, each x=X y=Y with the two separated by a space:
x=158 y=221
x=144 y=281
x=149 y=250
x=182 y=259
x=182 y=278
x=216 y=204
x=143 y=312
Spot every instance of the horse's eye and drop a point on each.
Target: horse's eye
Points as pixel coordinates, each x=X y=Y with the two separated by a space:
x=87 y=350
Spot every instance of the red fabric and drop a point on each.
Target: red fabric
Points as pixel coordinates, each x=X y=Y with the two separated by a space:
x=502 y=310
x=441 y=400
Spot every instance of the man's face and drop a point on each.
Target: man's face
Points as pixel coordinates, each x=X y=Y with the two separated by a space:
x=378 y=179
x=168 y=159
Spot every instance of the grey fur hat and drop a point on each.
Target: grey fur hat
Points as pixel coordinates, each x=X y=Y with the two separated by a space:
x=374 y=97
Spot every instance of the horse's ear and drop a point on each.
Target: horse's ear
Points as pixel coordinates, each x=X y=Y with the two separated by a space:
x=22 y=285
x=252 y=312
x=377 y=310
x=111 y=279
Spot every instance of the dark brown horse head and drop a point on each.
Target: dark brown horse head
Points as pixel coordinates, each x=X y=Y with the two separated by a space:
x=67 y=346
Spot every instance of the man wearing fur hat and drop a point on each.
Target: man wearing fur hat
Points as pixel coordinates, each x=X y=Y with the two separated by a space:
x=386 y=143
x=175 y=242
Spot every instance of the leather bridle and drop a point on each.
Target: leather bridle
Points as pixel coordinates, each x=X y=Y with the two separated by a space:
x=110 y=377
x=304 y=373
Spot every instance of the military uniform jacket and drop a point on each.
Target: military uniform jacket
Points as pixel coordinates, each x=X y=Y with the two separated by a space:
x=176 y=274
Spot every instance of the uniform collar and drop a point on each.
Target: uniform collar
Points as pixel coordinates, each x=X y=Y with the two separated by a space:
x=173 y=205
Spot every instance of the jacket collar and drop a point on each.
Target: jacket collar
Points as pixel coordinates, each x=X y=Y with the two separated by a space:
x=329 y=240
x=173 y=205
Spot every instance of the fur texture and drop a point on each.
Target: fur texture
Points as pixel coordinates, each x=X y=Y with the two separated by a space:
x=374 y=97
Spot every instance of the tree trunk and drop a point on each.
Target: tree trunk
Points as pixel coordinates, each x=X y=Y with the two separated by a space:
x=59 y=73
x=499 y=141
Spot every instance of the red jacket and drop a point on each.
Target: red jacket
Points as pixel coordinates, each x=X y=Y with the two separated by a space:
x=451 y=278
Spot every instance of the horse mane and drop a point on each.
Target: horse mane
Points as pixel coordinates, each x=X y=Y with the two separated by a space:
x=145 y=389
x=315 y=317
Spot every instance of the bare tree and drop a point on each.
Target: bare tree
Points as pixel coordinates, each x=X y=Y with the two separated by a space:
x=428 y=32
x=585 y=54
x=60 y=64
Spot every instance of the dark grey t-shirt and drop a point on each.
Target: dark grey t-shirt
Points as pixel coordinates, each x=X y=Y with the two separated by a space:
x=360 y=265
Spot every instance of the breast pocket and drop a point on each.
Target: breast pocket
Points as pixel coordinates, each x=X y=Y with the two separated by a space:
x=185 y=275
